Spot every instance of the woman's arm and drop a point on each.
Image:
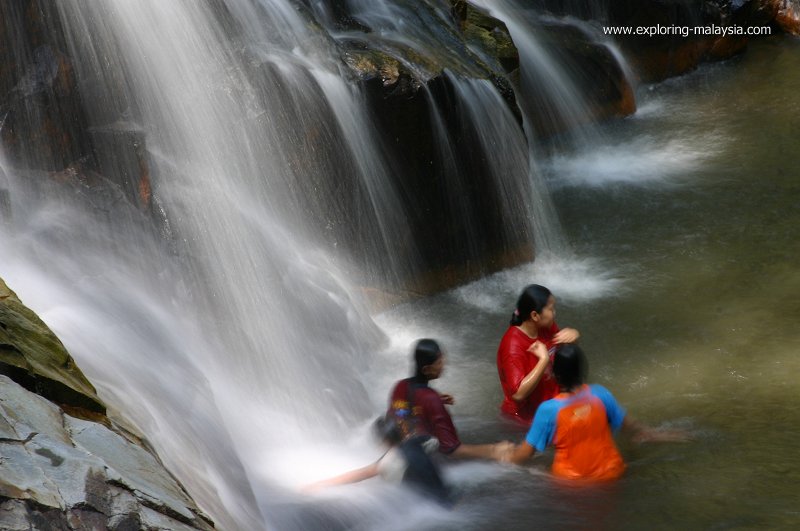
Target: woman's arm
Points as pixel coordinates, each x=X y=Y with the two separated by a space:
x=353 y=476
x=521 y=453
x=531 y=380
x=641 y=433
x=497 y=451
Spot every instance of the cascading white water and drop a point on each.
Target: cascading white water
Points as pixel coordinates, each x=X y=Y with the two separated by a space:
x=242 y=345
x=563 y=101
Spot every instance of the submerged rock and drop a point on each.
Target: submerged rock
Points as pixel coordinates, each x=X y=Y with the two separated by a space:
x=64 y=464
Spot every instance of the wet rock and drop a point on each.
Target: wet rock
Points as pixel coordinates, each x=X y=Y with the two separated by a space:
x=34 y=357
x=667 y=52
x=594 y=70
x=406 y=90
x=487 y=34
x=449 y=251
x=783 y=14
x=61 y=472
x=472 y=44
x=42 y=123
x=660 y=56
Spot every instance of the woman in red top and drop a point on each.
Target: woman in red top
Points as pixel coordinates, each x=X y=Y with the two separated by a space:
x=523 y=357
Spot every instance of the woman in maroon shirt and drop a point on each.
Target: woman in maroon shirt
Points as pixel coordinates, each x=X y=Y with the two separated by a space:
x=419 y=409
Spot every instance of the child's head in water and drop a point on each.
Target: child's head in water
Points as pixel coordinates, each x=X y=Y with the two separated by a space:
x=428 y=360
x=570 y=367
x=387 y=431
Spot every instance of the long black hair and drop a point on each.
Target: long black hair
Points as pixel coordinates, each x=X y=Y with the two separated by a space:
x=426 y=352
x=533 y=299
x=570 y=366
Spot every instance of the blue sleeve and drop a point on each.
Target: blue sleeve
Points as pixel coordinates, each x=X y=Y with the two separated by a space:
x=543 y=428
x=615 y=412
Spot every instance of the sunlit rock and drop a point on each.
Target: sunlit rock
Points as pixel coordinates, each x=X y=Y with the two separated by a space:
x=60 y=472
x=64 y=463
x=34 y=357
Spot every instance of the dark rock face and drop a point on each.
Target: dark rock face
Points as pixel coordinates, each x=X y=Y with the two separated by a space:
x=660 y=56
x=43 y=119
x=42 y=125
x=593 y=69
x=451 y=251
x=454 y=240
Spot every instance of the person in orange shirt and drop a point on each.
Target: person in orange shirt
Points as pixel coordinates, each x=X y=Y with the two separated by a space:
x=579 y=423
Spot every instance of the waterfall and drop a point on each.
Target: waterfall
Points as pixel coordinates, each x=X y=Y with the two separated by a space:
x=233 y=332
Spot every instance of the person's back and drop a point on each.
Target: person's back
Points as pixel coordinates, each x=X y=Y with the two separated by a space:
x=579 y=427
x=579 y=423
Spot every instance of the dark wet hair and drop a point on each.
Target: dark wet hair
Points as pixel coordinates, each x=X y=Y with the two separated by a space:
x=426 y=352
x=570 y=366
x=387 y=430
x=533 y=299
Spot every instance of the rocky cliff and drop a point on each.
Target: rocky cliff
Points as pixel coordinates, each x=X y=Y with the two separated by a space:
x=63 y=463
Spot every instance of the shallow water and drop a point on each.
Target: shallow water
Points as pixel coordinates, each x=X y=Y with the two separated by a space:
x=685 y=288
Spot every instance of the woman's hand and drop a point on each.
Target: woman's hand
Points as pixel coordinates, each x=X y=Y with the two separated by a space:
x=539 y=350
x=447 y=399
x=531 y=380
x=502 y=451
x=566 y=335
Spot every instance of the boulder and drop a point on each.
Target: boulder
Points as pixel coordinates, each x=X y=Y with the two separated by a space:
x=788 y=16
x=65 y=464
x=783 y=14
x=593 y=69
x=35 y=358
x=61 y=472
x=666 y=54
x=471 y=44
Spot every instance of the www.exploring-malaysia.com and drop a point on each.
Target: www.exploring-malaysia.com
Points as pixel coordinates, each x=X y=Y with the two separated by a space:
x=686 y=31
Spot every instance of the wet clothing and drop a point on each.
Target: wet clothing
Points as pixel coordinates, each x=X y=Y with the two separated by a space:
x=580 y=426
x=419 y=410
x=410 y=463
x=514 y=363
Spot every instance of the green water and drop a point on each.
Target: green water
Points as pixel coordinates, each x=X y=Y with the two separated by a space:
x=701 y=329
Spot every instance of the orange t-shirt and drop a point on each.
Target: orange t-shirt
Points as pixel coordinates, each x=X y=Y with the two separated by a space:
x=579 y=426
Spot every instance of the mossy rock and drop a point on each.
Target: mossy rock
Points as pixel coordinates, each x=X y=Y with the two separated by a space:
x=32 y=356
x=489 y=34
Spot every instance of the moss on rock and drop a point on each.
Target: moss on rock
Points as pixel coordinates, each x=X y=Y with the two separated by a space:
x=33 y=356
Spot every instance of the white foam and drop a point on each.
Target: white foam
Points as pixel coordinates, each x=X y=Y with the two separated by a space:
x=568 y=277
x=643 y=160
